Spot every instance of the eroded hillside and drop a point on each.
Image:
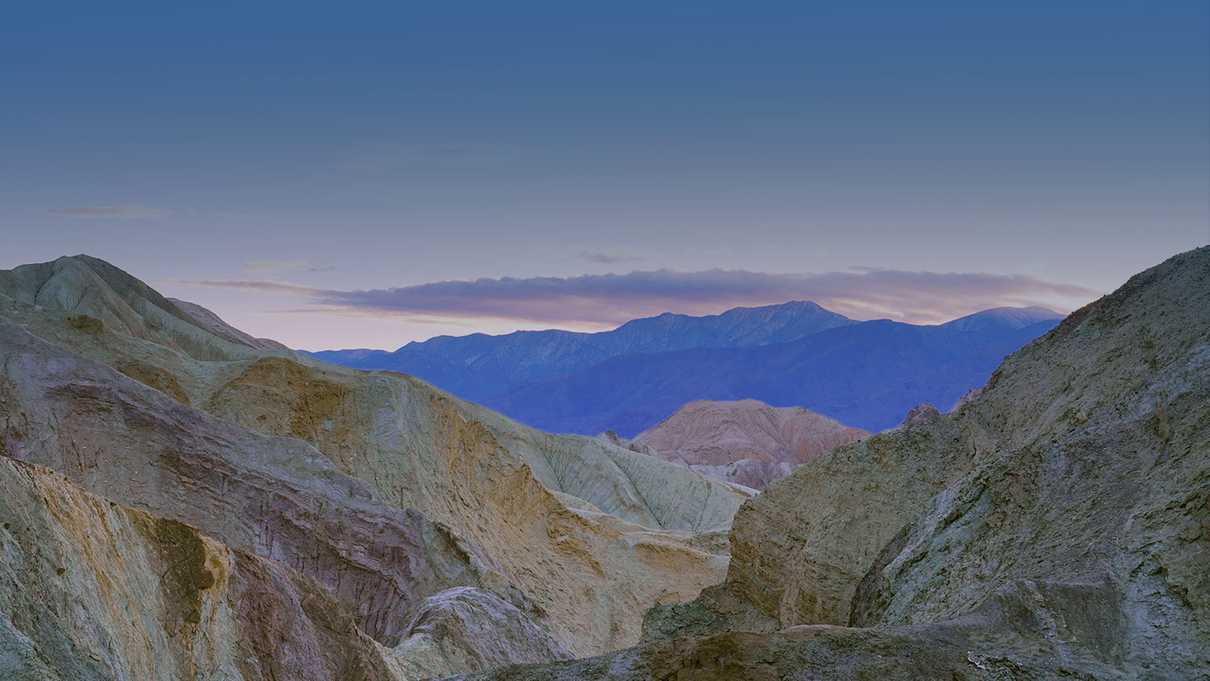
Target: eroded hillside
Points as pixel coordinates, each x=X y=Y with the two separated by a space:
x=418 y=518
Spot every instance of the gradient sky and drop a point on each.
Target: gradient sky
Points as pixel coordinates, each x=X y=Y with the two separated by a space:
x=1046 y=151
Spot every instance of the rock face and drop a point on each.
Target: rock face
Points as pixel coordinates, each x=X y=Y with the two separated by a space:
x=745 y=442
x=378 y=527
x=108 y=592
x=469 y=628
x=1055 y=525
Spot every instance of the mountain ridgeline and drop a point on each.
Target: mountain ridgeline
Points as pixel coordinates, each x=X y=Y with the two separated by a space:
x=864 y=374
x=480 y=367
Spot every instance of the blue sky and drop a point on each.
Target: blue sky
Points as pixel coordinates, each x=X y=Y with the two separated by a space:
x=393 y=145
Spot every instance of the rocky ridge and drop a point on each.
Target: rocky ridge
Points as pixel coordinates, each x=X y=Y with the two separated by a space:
x=405 y=517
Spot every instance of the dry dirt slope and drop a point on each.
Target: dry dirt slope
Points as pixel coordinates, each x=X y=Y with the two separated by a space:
x=1057 y=525
x=418 y=517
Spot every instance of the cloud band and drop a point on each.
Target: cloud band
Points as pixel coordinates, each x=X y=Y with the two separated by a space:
x=606 y=299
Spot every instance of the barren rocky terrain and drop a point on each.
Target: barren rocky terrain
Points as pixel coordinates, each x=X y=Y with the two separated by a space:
x=410 y=521
x=180 y=500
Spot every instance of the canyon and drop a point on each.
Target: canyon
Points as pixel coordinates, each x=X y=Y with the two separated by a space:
x=181 y=500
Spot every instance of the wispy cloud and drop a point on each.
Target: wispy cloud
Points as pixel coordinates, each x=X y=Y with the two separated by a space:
x=268 y=267
x=113 y=211
x=603 y=258
x=614 y=298
x=252 y=285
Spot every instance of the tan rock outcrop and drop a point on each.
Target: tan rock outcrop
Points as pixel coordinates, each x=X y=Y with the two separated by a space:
x=90 y=589
x=275 y=497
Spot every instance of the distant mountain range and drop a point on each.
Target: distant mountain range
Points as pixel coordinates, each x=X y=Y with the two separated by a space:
x=864 y=374
x=480 y=367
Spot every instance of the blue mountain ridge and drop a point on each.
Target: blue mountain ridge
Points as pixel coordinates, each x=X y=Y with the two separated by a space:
x=864 y=374
x=478 y=367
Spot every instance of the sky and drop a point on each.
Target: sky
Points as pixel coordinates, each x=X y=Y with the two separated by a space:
x=366 y=174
